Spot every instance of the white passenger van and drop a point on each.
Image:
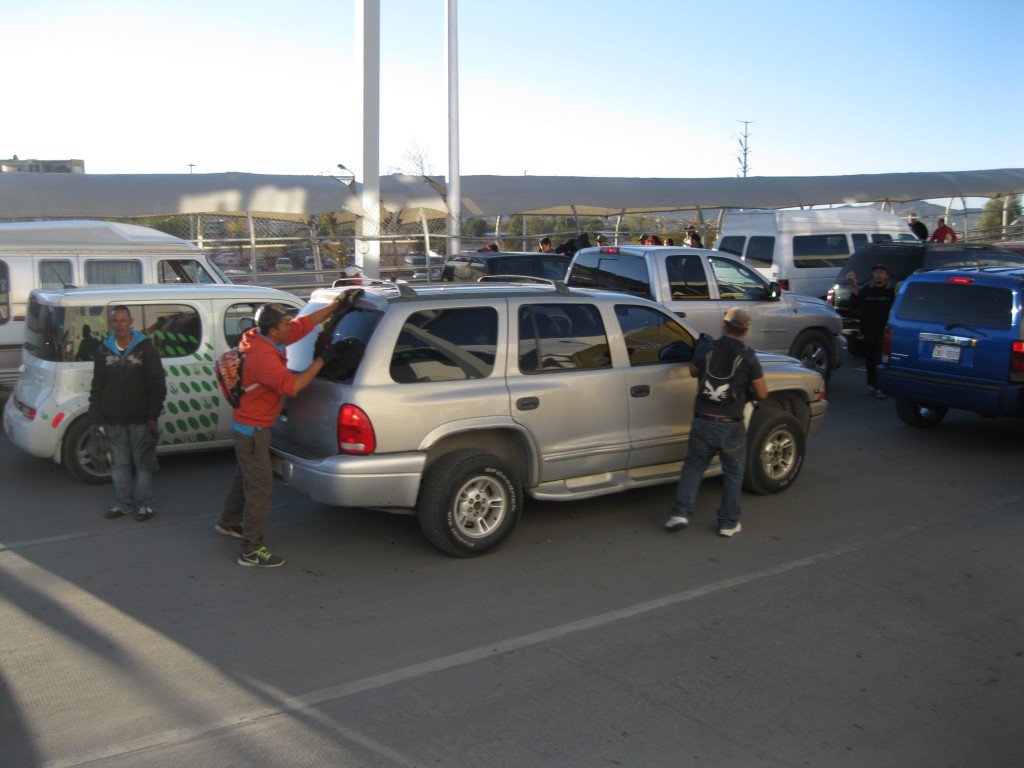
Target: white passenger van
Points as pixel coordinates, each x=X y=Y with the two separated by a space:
x=47 y=254
x=801 y=250
x=191 y=325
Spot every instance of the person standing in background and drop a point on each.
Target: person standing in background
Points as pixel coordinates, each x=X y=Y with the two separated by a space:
x=943 y=234
x=125 y=400
x=917 y=227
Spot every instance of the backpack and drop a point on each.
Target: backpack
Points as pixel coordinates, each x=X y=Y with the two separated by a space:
x=718 y=388
x=229 y=376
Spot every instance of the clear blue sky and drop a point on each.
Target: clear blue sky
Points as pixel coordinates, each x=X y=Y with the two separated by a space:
x=563 y=87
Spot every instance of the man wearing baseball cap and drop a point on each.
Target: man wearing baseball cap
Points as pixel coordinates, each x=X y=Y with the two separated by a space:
x=728 y=374
x=267 y=381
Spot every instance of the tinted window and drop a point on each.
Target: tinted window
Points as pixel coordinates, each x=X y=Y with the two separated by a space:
x=559 y=337
x=900 y=263
x=446 y=345
x=64 y=335
x=820 y=250
x=611 y=270
x=55 y=273
x=737 y=282
x=553 y=269
x=112 y=272
x=514 y=266
x=647 y=331
x=686 y=277
x=761 y=251
x=175 y=329
x=973 y=258
x=953 y=305
x=462 y=271
x=732 y=244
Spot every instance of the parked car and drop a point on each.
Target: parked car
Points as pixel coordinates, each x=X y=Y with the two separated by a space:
x=470 y=267
x=954 y=340
x=700 y=285
x=326 y=262
x=469 y=395
x=191 y=326
x=902 y=259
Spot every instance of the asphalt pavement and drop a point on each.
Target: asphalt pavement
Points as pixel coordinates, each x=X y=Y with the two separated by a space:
x=869 y=616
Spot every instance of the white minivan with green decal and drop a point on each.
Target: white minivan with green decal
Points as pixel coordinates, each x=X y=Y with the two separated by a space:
x=191 y=326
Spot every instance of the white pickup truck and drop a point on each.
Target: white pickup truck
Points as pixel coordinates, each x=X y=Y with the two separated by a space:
x=700 y=285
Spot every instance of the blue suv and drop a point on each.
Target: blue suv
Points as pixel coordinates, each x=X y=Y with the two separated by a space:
x=954 y=341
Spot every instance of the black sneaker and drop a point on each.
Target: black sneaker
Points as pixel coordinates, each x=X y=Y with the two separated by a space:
x=234 y=531
x=142 y=514
x=114 y=512
x=261 y=558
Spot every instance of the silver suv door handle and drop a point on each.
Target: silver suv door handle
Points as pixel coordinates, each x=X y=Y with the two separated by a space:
x=528 y=403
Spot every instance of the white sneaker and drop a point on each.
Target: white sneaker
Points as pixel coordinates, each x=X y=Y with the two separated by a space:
x=676 y=522
x=727 y=532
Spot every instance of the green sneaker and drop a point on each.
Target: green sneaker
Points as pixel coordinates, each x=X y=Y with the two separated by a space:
x=261 y=558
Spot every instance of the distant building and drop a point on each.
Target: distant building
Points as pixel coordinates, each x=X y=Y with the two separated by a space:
x=14 y=165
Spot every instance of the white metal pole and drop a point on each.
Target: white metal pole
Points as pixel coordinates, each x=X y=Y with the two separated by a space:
x=368 y=66
x=454 y=180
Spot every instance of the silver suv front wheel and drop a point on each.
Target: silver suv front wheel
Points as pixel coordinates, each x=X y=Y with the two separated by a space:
x=775 y=451
x=469 y=503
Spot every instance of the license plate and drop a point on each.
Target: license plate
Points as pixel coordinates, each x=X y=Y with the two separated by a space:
x=948 y=352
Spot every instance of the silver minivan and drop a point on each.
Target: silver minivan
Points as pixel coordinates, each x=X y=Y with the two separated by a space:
x=191 y=326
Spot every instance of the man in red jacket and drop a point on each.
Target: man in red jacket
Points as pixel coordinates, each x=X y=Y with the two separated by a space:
x=267 y=381
x=943 y=233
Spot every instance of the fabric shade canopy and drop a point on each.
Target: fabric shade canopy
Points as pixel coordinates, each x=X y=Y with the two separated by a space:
x=52 y=195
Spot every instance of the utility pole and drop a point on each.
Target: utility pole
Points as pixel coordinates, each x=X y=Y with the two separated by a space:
x=744 y=147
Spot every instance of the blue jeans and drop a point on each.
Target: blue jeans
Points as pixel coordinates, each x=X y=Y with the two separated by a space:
x=132 y=447
x=727 y=439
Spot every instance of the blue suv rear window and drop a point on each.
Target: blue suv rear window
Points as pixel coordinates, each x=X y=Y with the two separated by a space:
x=957 y=305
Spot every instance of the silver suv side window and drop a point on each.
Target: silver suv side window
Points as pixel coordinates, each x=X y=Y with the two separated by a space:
x=560 y=337
x=646 y=331
x=446 y=345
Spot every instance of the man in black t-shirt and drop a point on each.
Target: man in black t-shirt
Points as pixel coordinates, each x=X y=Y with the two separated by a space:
x=874 y=301
x=729 y=374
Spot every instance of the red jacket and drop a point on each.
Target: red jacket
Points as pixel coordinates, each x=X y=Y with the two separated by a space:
x=942 y=234
x=267 y=365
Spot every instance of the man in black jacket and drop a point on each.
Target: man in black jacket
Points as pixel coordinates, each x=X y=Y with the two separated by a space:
x=127 y=395
x=874 y=301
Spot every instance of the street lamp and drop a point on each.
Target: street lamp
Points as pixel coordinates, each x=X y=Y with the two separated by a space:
x=346 y=176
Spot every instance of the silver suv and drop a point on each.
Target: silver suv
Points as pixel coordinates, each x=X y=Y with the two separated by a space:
x=469 y=395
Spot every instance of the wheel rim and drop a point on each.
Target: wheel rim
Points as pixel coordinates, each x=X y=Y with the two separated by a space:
x=480 y=507
x=815 y=357
x=778 y=454
x=928 y=414
x=86 y=461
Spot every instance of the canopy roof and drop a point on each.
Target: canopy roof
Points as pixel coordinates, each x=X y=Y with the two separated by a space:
x=51 y=195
